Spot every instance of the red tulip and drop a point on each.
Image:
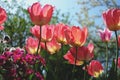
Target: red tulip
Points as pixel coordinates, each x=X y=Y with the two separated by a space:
x=3 y=17
x=31 y=45
x=112 y=19
x=84 y=53
x=53 y=46
x=95 y=68
x=59 y=33
x=1 y=27
x=39 y=15
x=47 y=32
x=76 y=36
x=105 y=35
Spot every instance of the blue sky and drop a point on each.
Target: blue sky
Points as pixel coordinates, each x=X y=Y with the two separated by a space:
x=63 y=5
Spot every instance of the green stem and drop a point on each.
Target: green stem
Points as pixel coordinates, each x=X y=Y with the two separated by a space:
x=46 y=59
x=46 y=46
x=117 y=53
x=46 y=51
x=106 y=60
x=56 y=67
x=62 y=48
x=62 y=52
x=39 y=39
x=74 y=63
x=76 y=54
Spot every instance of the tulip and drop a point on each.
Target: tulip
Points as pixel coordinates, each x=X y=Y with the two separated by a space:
x=112 y=19
x=59 y=33
x=40 y=16
x=76 y=36
x=95 y=68
x=31 y=45
x=3 y=17
x=52 y=47
x=85 y=53
x=105 y=35
x=35 y=30
x=1 y=27
x=47 y=32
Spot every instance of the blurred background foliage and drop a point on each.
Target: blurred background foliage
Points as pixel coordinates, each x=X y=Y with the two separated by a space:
x=89 y=14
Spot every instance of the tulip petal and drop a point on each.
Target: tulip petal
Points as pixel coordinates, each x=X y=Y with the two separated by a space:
x=1 y=27
x=3 y=15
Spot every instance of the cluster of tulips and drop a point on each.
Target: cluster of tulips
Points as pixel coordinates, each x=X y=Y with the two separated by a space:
x=20 y=64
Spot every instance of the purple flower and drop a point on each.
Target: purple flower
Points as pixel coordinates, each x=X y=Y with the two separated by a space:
x=39 y=76
x=13 y=72
x=29 y=71
x=17 y=54
x=2 y=59
x=29 y=58
x=7 y=54
x=40 y=59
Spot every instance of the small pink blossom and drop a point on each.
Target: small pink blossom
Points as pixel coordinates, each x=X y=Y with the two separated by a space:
x=105 y=35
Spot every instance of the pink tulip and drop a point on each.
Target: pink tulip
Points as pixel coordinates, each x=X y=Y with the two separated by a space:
x=31 y=45
x=52 y=47
x=40 y=16
x=105 y=35
x=59 y=33
x=1 y=27
x=35 y=30
x=47 y=32
x=3 y=17
x=84 y=53
x=76 y=36
x=112 y=19
x=95 y=68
